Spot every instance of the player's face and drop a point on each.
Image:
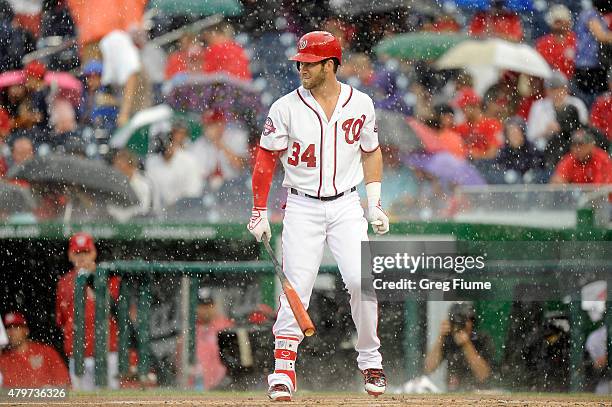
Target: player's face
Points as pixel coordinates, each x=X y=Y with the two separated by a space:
x=312 y=74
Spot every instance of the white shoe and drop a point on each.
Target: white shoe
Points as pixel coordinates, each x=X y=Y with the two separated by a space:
x=279 y=392
x=374 y=381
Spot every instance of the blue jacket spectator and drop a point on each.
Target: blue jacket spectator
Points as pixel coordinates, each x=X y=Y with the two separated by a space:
x=591 y=32
x=98 y=107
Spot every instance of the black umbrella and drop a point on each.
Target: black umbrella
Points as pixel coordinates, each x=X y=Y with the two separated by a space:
x=14 y=198
x=92 y=176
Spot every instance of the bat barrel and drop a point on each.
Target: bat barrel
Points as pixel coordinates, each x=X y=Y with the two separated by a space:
x=299 y=312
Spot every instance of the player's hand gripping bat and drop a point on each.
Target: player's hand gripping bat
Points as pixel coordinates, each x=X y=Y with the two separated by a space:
x=301 y=316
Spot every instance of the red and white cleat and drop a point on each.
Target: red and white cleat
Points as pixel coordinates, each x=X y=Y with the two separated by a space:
x=375 y=381
x=279 y=392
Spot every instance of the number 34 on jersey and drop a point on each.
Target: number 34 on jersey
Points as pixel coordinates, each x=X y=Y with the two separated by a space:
x=321 y=157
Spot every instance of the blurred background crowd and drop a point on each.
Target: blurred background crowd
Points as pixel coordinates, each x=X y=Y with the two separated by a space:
x=172 y=95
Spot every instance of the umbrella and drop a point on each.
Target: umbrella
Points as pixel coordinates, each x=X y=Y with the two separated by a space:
x=69 y=87
x=96 y=18
x=14 y=198
x=141 y=119
x=418 y=46
x=11 y=78
x=135 y=134
x=497 y=53
x=199 y=92
x=446 y=167
x=92 y=176
x=198 y=7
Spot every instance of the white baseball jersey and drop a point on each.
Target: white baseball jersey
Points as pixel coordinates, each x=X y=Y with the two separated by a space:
x=321 y=157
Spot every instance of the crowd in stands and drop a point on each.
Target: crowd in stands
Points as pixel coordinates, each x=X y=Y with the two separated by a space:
x=518 y=129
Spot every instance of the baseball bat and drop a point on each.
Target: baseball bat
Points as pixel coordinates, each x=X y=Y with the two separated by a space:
x=301 y=316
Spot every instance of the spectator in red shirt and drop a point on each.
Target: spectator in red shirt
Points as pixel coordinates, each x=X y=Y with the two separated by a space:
x=481 y=135
x=188 y=58
x=446 y=23
x=497 y=22
x=26 y=363
x=223 y=54
x=82 y=254
x=601 y=111
x=585 y=163
x=559 y=47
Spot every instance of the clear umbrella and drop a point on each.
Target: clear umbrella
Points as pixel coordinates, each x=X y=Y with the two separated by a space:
x=496 y=53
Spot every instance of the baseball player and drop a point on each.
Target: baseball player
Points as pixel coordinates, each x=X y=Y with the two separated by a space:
x=82 y=254
x=28 y=363
x=325 y=135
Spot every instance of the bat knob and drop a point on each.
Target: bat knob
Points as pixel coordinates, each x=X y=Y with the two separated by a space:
x=309 y=332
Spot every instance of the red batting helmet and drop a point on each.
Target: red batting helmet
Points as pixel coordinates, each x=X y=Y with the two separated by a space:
x=317 y=46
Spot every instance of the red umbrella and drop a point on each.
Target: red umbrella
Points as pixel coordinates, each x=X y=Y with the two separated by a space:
x=11 y=78
x=69 y=87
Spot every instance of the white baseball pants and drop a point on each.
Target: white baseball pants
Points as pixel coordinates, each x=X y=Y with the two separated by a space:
x=307 y=225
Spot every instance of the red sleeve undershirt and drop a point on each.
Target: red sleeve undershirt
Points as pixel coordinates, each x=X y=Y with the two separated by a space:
x=263 y=172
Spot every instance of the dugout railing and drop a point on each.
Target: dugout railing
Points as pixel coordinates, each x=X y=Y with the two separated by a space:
x=191 y=272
